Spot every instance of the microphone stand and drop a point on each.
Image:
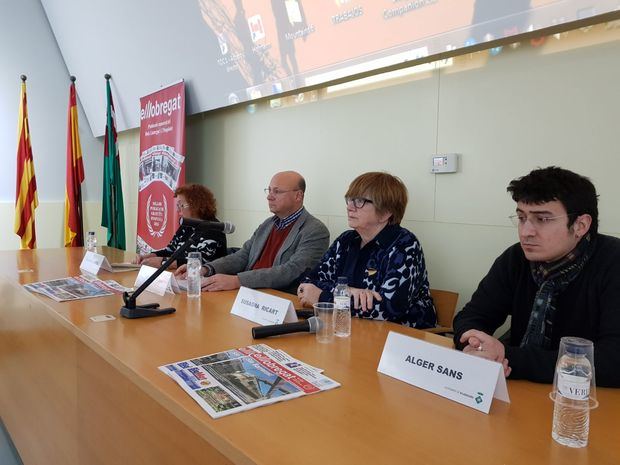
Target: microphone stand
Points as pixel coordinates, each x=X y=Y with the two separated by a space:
x=131 y=310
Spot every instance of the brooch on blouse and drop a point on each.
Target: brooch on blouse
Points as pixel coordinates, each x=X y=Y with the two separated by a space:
x=371 y=272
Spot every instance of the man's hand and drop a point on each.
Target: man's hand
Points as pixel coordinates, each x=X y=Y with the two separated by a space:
x=364 y=298
x=482 y=345
x=507 y=368
x=221 y=282
x=308 y=294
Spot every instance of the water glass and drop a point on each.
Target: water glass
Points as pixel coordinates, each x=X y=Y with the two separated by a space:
x=574 y=392
x=194 y=265
x=324 y=311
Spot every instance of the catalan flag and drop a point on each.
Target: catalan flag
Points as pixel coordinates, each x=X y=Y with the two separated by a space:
x=113 y=213
x=26 y=185
x=74 y=230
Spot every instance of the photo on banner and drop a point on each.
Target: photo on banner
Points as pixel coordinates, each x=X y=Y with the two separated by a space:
x=162 y=165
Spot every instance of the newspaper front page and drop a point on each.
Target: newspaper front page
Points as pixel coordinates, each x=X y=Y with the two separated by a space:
x=241 y=379
x=75 y=288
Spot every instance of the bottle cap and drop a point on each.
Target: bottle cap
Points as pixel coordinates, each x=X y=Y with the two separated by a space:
x=575 y=350
x=342 y=280
x=576 y=345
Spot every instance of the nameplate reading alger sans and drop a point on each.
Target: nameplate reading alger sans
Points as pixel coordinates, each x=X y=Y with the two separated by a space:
x=263 y=308
x=449 y=373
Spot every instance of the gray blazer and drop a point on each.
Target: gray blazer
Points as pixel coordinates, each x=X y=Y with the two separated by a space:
x=303 y=248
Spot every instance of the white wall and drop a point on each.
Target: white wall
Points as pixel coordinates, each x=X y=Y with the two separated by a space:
x=27 y=46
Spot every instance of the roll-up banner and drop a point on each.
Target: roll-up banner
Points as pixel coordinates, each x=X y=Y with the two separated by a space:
x=162 y=167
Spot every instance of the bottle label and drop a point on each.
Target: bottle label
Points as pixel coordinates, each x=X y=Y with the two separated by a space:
x=342 y=302
x=573 y=387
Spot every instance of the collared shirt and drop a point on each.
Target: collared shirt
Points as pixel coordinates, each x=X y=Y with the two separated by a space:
x=281 y=223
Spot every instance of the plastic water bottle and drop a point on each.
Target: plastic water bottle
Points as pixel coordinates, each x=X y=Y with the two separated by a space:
x=571 y=414
x=194 y=265
x=342 y=308
x=91 y=242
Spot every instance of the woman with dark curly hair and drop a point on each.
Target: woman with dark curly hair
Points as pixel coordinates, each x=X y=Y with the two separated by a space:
x=382 y=261
x=194 y=201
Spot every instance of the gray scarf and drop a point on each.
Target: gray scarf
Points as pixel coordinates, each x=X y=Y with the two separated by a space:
x=552 y=279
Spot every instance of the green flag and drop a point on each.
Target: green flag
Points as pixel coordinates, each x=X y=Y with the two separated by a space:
x=112 y=211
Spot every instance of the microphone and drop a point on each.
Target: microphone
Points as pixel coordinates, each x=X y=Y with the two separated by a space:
x=311 y=325
x=203 y=225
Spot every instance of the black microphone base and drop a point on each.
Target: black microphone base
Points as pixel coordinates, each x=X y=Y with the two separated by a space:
x=144 y=311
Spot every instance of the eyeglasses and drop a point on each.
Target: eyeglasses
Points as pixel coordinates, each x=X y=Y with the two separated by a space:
x=358 y=202
x=181 y=206
x=538 y=221
x=276 y=191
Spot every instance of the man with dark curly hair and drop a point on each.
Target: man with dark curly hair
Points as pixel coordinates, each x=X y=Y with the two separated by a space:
x=561 y=279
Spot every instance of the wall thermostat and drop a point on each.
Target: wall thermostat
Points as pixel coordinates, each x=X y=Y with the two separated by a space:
x=445 y=163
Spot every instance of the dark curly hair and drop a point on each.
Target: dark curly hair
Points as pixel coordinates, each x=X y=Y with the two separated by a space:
x=575 y=192
x=201 y=200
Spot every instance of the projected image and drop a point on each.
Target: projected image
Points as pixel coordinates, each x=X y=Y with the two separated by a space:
x=282 y=45
x=233 y=51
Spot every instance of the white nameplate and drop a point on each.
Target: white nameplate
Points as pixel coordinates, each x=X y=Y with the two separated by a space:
x=262 y=308
x=93 y=262
x=466 y=379
x=165 y=282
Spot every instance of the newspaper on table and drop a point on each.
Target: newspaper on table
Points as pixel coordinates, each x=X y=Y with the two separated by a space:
x=241 y=379
x=75 y=288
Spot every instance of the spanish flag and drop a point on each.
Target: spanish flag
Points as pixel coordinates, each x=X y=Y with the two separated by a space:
x=26 y=185
x=74 y=230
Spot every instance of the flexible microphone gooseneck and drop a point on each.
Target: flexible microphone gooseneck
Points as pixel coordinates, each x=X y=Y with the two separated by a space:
x=311 y=325
x=133 y=310
x=202 y=225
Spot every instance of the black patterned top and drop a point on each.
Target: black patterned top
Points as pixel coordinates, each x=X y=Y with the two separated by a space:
x=391 y=264
x=211 y=244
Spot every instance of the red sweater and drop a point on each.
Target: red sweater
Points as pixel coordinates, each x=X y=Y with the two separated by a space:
x=272 y=247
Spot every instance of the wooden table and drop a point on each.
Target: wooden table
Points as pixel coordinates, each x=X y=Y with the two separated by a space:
x=77 y=392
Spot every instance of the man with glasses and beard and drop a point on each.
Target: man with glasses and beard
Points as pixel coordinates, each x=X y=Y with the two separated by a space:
x=561 y=279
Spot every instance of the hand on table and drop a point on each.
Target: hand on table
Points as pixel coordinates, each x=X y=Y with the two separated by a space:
x=480 y=344
x=364 y=299
x=308 y=294
x=221 y=282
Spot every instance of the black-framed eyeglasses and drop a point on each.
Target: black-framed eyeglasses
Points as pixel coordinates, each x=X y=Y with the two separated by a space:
x=357 y=202
x=276 y=191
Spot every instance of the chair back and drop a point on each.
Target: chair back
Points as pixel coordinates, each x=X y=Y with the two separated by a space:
x=445 y=306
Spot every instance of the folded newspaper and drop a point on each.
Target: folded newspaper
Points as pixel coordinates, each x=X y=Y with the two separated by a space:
x=241 y=379
x=75 y=288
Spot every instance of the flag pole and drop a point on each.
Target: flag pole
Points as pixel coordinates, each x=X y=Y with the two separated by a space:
x=107 y=77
